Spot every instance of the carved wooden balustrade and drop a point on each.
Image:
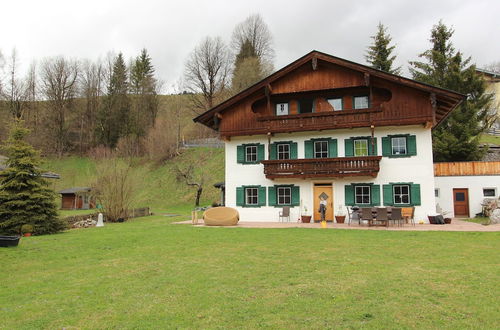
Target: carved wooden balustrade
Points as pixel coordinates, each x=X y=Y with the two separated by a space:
x=322 y=167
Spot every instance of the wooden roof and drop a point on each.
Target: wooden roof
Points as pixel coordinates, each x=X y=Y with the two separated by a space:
x=445 y=100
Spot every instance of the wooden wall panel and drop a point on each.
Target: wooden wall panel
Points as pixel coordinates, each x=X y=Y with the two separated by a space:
x=466 y=168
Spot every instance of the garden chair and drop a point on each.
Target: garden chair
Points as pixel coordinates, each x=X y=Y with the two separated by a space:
x=397 y=216
x=366 y=214
x=407 y=213
x=284 y=214
x=382 y=216
x=353 y=216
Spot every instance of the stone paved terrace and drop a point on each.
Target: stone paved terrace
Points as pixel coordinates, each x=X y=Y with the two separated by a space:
x=456 y=225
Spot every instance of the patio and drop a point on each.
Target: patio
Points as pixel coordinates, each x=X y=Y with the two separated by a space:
x=456 y=225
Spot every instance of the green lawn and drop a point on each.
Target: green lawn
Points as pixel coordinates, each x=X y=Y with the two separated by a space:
x=480 y=220
x=487 y=138
x=147 y=273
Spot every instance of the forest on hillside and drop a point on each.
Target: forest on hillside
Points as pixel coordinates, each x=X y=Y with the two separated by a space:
x=114 y=106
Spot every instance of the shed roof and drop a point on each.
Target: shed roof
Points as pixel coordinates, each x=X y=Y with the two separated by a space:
x=75 y=190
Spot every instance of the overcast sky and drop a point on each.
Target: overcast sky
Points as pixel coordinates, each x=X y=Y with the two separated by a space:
x=169 y=30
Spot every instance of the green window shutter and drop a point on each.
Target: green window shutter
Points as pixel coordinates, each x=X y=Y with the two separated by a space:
x=386 y=146
x=388 y=200
x=415 y=194
x=332 y=148
x=349 y=147
x=262 y=196
x=349 y=195
x=271 y=196
x=295 y=195
x=372 y=151
x=309 y=149
x=274 y=151
x=293 y=151
x=411 y=142
x=375 y=195
x=240 y=158
x=260 y=152
x=240 y=196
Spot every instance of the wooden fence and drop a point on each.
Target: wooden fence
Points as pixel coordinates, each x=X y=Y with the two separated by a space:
x=134 y=213
x=466 y=168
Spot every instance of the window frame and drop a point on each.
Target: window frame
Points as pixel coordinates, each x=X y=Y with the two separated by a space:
x=278 y=152
x=283 y=188
x=247 y=147
x=362 y=194
x=322 y=151
x=336 y=98
x=359 y=96
x=246 y=196
x=287 y=108
x=405 y=145
x=313 y=105
x=408 y=187
x=354 y=147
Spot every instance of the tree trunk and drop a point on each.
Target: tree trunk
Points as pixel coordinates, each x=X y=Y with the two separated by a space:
x=198 y=195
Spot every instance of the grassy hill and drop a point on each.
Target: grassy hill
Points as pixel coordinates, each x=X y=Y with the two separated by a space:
x=154 y=185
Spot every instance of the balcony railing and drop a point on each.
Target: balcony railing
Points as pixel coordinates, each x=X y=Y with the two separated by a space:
x=322 y=167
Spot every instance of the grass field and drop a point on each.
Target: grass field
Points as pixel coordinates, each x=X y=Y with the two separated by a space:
x=487 y=138
x=147 y=273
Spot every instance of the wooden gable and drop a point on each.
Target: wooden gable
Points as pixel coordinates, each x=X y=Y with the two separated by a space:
x=316 y=78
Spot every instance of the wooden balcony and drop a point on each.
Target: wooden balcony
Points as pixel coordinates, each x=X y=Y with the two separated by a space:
x=322 y=167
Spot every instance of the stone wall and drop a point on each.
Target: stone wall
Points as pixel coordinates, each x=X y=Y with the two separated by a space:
x=78 y=221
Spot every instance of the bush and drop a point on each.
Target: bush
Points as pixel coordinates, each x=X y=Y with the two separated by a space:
x=25 y=229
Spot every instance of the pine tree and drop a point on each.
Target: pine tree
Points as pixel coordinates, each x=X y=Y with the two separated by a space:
x=379 y=53
x=248 y=68
x=113 y=118
x=457 y=137
x=25 y=197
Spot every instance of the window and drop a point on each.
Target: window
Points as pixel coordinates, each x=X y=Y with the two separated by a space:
x=436 y=192
x=360 y=148
x=398 y=145
x=360 y=102
x=251 y=154
x=401 y=194
x=251 y=196
x=336 y=103
x=306 y=106
x=489 y=192
x=283 y=151
x=284 y=195
x=320 y=149
x=282 y=109
x=362 y=194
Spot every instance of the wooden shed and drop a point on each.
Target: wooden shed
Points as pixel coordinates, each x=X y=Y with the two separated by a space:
x=77 y=198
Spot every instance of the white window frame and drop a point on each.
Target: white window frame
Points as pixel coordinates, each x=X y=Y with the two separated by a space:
x=401 y=194
x=283 y=194
x=283 y=154
x=491 y=188
x=362 y=194
x=321 y=152
x=333 y=99
x=249 y=153
x=354 y=106
x=398 y=138
x=282 y=109
x=354 y=147
x=252 y=193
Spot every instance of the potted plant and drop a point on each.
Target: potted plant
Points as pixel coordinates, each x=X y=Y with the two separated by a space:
x=340 y=216
x=305 y=217
x=26 y=230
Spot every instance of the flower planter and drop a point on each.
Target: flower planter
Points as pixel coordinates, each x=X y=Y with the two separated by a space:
x=340 y=218
x=27 y=234
x=306 y=218
x=6 y=241
x=447 y=221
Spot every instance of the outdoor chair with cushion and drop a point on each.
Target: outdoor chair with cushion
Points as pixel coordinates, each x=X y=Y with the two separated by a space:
x=366 y=214
x=353 y=215
x=382 y=216
x=397 y=216
x=284 y=214
x=407 y=213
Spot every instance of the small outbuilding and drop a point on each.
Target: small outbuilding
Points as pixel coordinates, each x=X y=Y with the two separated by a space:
x=77 y=198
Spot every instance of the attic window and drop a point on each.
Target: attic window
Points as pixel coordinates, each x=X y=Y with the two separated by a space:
x=306 y=106
x=336 y=103
x=282 y=109
x=361 y=102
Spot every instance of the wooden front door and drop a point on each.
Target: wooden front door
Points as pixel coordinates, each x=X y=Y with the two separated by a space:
x=461 y=202
x=326 y=192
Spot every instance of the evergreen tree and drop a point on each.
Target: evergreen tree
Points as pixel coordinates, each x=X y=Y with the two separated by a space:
x=248 y=68
x=113 y=118
x=379 y=53
x=25 y=197
x=457 y=137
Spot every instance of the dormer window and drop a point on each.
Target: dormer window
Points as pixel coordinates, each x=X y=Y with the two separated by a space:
x=282 y=109
x=361 y=102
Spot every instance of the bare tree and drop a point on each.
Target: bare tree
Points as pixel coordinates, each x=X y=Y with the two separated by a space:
x=493 y=67
x=32 y=115
x=14 y=90
x=59 y=86
x=254 y=30
x=207 y=73
x=188 y=176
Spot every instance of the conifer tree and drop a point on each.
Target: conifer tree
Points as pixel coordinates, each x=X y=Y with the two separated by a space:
x=248 y=68
x=379 y=53
x=457 y=137
x=25 y=197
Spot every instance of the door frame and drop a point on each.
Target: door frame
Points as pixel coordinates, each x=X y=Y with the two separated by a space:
x=323 y=184
x=467 y=199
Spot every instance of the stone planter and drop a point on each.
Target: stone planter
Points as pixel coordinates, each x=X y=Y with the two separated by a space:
x=306 y=218
x=340 y=218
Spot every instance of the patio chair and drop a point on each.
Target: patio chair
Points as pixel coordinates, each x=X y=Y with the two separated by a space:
x=284 y=214
x=366 y=214
x=408 y=213
x=382 y=216
x=353 y=216
x=397 y=216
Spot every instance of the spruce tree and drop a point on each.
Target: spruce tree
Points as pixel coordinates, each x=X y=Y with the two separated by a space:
x=457 y=137
x=144 y=86
x=248 y=68
x=25 y=197
x=379 y=53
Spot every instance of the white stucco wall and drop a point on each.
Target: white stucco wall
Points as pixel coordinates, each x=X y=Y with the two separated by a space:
x=474 y=184
x=417 y=169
